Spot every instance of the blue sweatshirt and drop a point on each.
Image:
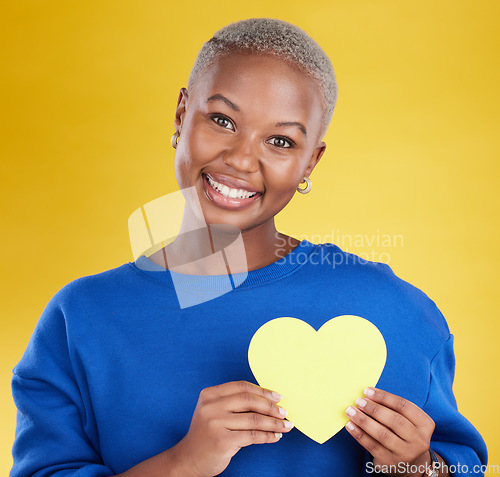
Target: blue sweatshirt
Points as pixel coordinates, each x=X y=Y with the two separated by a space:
x=113 y=370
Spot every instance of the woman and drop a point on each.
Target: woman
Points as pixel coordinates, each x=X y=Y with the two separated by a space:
x=138 y=371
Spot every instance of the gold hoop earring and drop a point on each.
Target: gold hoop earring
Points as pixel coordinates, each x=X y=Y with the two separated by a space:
x=174 y=138
x=307 y=188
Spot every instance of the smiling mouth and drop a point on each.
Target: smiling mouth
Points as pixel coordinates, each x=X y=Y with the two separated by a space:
x=229 y=192
x=228 y=197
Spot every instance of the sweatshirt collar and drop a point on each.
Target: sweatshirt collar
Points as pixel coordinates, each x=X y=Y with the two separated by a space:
x=274 y=271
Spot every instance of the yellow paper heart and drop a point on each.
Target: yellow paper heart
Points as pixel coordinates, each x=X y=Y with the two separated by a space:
x=319 y=373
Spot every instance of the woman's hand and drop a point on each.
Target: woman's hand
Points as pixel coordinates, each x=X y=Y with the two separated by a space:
x=228 y=417
x=393 y=430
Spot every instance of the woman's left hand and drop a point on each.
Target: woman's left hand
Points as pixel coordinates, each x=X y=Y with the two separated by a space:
x=394 y=430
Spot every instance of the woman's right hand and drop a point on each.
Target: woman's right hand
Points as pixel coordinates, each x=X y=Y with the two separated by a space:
x=228 y=417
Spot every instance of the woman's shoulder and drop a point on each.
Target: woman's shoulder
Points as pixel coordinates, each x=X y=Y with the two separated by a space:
x=72 y=309
x=335 y=258
x=91 y=286
x=380 y=280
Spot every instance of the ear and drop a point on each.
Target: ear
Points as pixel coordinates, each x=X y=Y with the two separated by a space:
x=316 y=156
x=180 y=110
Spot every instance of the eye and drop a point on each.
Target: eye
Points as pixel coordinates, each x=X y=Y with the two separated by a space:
x=281 y=142
x=222 y=121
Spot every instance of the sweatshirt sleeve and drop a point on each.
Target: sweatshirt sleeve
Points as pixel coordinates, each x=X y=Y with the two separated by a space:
x=455 y=439
x=54 y=434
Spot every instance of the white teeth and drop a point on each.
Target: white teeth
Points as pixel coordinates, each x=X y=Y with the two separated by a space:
x=229 y=192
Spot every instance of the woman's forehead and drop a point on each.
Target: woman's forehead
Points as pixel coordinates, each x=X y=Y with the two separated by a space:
x=256 y=81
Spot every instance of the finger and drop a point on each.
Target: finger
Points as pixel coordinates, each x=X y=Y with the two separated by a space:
x=374 y=429
x=387 y=417
x=253 y=421
x=235 y=387
x=245 y=402
x=376 y=449
x=402 y=406
x=246 y=438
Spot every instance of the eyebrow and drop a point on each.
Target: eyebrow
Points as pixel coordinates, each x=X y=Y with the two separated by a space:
x=293 y=123
x=220 y=97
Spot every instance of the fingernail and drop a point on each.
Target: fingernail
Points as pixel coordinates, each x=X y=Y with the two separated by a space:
x=360 y=402
x=278 y=435
x=288 y=424
x=277 y=396
x=349 y=426
x=369 y=392
x=283 y=412
x=350 y=411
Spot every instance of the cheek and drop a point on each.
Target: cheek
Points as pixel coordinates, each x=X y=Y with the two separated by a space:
x=201 y=146
x=182 y=166
x=283 y=177
x=193 y=153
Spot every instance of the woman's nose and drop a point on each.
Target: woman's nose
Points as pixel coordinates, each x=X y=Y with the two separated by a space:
x=242 y=155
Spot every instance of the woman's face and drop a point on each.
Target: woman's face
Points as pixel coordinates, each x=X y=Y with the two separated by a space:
x=249 y=132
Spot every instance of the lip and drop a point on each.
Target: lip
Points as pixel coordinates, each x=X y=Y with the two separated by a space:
x=232 y=182
x=227 y=202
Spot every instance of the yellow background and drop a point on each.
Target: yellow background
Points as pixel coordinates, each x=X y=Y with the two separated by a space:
x=88 y=91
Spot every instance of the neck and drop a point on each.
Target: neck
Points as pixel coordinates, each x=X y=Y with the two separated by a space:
x=220 y=249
